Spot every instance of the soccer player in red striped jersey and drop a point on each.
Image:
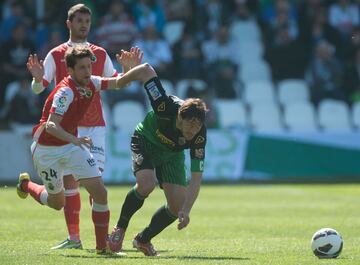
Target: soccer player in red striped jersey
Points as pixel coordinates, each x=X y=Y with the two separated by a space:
x=93 y=123
x=57 y=147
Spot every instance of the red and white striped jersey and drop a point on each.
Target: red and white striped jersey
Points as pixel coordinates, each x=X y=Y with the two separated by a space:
x=55 y=69
x=71 y=102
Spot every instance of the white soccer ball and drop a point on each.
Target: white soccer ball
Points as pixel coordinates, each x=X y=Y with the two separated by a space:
x=326 y=243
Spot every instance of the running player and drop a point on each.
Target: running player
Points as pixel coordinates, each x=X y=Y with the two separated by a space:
x=57 y=146
x=157 y=153
x=92 y=124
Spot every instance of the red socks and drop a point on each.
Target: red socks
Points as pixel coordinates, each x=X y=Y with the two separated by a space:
x=72 y=215
x=35 y=191
x=101 y=223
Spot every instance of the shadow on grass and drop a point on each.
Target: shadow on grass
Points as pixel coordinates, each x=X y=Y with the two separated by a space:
x=187 y=257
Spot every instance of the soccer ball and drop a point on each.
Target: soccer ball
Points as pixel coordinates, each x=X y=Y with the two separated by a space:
x=326 y=243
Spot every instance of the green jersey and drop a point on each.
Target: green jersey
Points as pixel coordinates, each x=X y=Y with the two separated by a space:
x=159 y=127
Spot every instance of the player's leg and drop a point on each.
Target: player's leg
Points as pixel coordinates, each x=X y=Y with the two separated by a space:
x=171 y=176
x=100 y=210
x=71 y=213
x=145 y=184
x=86 y=171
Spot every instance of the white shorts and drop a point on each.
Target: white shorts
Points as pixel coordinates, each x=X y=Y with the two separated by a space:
x=51 y=161
x=97 y=135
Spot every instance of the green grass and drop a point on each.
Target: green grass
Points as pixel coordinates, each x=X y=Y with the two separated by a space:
x=238 y=224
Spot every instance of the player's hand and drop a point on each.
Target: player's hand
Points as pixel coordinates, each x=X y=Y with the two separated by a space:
x=184 y=219
x=83 y=141
x=136 y=56
x=35 y=67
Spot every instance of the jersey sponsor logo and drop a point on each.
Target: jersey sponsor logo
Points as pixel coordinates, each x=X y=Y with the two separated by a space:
x=97 y=150
x=161 y=107
x=164 y=139
x=182 y=140
x=199 y=153
x=199 y=140
x=153 y=90
x=91 y=162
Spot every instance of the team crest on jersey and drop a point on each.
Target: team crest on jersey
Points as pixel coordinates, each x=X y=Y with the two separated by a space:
x=199 y=140
x=182 y=140
x=199 y=153
x=85 y=92
x=161 y=107
x=93 y=58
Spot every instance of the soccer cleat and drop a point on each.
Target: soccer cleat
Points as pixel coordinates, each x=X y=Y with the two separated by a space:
x=22 y=177
x=68 y=244
x=116 y=239
x=108 y=252
x=146 y=248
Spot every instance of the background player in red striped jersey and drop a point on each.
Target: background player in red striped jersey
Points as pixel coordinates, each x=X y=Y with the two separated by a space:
x=57 y=146
x=92 y=124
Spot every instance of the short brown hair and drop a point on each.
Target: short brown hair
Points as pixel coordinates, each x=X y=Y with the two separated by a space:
x=81 y=8
x=193 y=108
x=73 y=54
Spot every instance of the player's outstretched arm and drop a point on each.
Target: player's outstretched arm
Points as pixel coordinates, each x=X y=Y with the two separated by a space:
x=191 y=195
x=36 y=68
x=142 y=72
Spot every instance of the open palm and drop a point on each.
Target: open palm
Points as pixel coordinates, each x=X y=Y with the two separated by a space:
x=35 y=67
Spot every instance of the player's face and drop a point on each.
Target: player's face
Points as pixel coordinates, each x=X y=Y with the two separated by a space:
x=189 y=128
x=80 y=26
x=81 y=72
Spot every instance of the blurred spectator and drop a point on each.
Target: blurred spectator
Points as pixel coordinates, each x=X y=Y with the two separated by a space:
x=282 y=17
x=319 y=29
x=307 y=12
x=156 y=50
x=352 y=78
x=221 y=64
x=55 y=38
x=178 y=10
x=13 y=16
x=188 y=57
x=148 y=13
x=116 y=30
x=13 y=57
x=344 y=15
x=286 y=56
x=325 y=74
x=21 y=105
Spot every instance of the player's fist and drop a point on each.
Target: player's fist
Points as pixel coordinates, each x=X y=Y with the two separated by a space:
x=83 y=141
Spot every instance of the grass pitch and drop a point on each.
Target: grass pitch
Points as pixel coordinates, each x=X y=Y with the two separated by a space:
x=237 y=224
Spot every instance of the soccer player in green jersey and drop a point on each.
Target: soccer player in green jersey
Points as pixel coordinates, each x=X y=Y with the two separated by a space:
x=157 y=147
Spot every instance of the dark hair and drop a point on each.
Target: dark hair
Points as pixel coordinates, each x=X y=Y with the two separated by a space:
x=193 y=108
x=73 y=54
x=81 y=8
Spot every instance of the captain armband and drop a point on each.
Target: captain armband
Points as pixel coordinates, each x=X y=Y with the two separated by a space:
x=36 y=87
x=197 y=165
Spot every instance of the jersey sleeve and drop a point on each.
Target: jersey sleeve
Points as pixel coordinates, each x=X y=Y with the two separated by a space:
x=62 y=100
x=160 y=102
x=197 y=151
x=49 y=69
x=109 y=70
x=100 y=83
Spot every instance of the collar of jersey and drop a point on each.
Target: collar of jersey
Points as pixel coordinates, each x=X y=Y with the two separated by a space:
x=71 y=44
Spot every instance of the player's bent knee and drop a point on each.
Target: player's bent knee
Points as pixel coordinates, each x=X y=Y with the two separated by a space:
x=100 y=196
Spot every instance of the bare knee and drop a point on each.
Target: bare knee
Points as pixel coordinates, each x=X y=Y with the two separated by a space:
x=100 y=196
x=70 y=183
x=144 y=188
x=175 y=206
x=56 y=204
